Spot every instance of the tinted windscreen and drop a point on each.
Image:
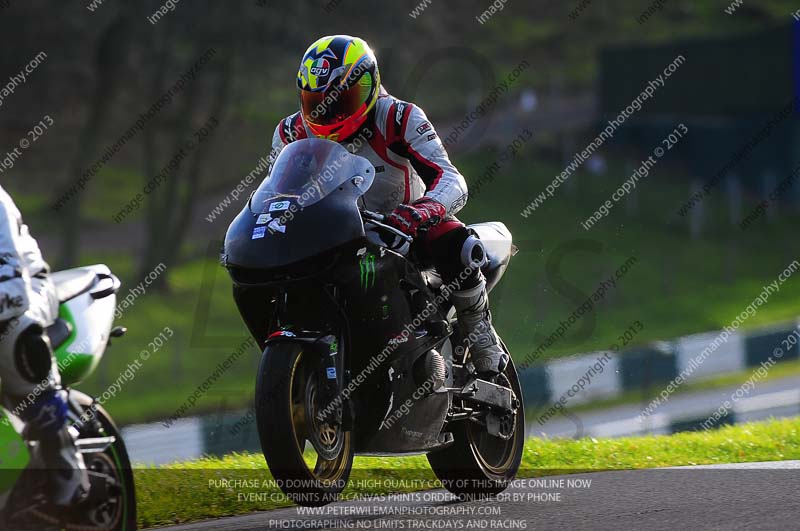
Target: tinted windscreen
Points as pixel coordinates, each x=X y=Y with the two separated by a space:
x=307 y=171
x=306 y=207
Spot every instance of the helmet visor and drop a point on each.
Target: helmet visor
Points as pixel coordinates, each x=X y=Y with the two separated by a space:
x=336 y=104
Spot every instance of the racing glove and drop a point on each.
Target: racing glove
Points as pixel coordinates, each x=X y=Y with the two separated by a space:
x=421 y=214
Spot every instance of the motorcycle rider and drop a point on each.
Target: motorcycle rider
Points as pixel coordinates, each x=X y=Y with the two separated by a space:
x=28 y=372
x=341 y=99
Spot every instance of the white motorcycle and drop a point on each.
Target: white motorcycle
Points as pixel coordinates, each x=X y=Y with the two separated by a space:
x=79 y=338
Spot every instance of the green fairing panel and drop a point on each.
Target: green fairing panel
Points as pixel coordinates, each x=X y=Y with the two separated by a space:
x=75 y=366
x=13 y=454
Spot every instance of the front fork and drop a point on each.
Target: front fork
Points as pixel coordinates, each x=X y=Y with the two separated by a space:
x=329 y=347
x=328 y=350
x=334 y=374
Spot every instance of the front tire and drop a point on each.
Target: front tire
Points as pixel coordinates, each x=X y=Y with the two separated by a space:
x=286 y=407
x=478 y=464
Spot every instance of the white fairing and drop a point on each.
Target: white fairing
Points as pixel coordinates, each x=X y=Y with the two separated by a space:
x=93 y=320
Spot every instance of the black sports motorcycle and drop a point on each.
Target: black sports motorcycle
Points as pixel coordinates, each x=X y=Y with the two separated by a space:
x=361 y=348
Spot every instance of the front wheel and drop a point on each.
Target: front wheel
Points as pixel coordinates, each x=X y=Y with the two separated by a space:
x=477 y=463
x=310 y=460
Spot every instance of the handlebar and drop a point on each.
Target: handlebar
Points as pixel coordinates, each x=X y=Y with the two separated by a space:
x=379 y=221
x=373 y=216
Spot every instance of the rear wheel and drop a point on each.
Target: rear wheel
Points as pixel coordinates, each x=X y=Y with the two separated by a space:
x=115 y=510
x=480 y=464
x=310 y=460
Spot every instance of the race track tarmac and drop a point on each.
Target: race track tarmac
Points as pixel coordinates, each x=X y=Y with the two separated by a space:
x=747 y=496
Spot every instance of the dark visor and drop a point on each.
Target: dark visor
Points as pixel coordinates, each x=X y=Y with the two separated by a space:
x=334 y=105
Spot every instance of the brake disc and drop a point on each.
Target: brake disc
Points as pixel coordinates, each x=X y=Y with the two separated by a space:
x=326 y=437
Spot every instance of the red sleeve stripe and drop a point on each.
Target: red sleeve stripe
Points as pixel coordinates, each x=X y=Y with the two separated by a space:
x=282 y=134
x=391 y=125
x=427 y=169
x=298 y=128
x=379 y=146
x=429 y=164
x=294 y=130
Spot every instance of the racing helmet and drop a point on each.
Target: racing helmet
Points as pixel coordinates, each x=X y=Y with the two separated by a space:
x=339 y=84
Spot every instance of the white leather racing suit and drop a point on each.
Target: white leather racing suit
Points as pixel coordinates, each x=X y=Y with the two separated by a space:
x=409 y=157
x=27 y=296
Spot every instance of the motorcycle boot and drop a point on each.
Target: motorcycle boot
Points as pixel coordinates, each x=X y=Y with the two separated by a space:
x=475 y=322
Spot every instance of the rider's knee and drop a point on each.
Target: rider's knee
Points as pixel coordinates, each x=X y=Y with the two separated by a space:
x=473 y=253
x=459 y=255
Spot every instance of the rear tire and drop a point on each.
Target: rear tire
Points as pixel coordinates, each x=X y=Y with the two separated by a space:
x=285 y=415
x=118 y=513
x=478 y=464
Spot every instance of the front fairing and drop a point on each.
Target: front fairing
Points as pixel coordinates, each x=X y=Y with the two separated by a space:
x=265 y=241
x=287 y=221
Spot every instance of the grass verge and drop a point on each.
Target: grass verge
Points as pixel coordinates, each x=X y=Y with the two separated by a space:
x=191 y=491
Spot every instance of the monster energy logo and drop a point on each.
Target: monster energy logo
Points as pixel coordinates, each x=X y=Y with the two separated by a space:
x=367 y=265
